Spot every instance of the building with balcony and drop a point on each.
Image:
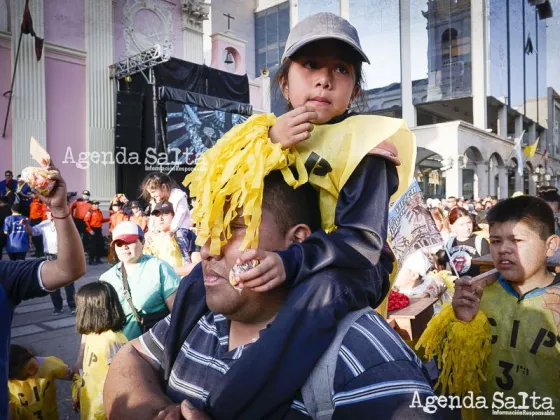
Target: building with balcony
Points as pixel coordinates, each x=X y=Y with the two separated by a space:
x=469 y=77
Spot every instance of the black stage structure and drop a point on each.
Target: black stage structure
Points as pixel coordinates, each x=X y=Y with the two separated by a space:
x=169 y=111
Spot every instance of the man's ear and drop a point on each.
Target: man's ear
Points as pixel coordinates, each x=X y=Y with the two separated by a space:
x=552 y=244
x=297 y=234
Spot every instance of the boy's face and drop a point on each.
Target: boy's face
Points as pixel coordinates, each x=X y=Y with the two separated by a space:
x=517 y=250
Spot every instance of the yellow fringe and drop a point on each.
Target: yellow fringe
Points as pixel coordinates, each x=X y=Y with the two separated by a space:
x=77 y=384
x=462 y=350
x=232 y=172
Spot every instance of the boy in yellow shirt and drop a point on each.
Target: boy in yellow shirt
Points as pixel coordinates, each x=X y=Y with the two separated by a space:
x=31 y=384
x=518 y=315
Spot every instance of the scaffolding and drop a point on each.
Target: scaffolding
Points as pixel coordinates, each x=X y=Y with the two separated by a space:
x=144 y=60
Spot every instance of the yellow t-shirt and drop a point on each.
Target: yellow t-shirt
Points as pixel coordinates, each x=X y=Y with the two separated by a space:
x=35 y=398
x=525 y=354
x=98 y=355
x=165 y=247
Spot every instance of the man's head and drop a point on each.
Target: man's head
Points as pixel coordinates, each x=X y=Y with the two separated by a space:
x=17 y=208
x=451 y=202
x=521 y=237
x=163 y=215
x=116 y=206
x=552 y=198
x=288 y=216
x=478 y=206
x=85 y=195
x=8 y=175
x=135 y=207
x=95 y=205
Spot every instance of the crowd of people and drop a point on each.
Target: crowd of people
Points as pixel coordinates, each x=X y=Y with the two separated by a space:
x=260 y=301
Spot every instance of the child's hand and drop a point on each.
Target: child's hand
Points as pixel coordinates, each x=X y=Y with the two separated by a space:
x=265 y=276
x=466 y=299
x=293 y=127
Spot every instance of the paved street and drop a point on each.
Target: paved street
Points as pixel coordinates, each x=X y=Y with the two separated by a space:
x=35 y=327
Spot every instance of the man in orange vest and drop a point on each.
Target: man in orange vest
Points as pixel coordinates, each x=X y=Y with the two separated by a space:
x=94 y=222
x=117 y=216
x=78 y=210
x=137 y=216
x=36 y=216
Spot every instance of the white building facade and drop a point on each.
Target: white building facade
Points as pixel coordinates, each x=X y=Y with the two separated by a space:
x=468 y=76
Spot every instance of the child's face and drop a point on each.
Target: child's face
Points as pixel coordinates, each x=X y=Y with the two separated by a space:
x=95 y=206
x=517 y=250
x=320 y=79
x=155 y=192
x=29 y=370
x=116 y=208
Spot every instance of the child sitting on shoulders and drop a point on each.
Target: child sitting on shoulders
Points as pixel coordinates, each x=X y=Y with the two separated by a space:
x=504 y=341
x=31 y=384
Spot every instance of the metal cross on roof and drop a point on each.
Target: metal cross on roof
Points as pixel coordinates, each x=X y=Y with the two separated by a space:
x=229 y=17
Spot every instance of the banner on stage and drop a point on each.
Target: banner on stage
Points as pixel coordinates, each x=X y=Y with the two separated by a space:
x=411 y=225
x=191 y=129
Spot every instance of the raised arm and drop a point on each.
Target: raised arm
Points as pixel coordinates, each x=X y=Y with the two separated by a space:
x=71 y=263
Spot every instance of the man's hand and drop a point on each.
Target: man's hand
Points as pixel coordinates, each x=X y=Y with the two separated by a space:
x=293 y=127
x=267 y=275
x=183 y=411
x=466 y=299
x=91 y=232
x=57 y=201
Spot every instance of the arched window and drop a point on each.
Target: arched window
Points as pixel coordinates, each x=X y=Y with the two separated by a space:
x=449 y=49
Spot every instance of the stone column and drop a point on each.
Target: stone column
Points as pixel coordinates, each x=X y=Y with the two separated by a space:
x=478 y=60
x=503 y=122
x=532 y=185
x=503 y=182
x=100 y=95
x=518 y=181
x=482 y=175
x=194 y=13
x=518 y=125
x=345 y=9
x=29 y=110
x=532 y=133
x=454 y=181
x=408 y=108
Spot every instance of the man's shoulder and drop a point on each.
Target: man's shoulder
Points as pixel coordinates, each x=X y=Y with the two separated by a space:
x=371 y=342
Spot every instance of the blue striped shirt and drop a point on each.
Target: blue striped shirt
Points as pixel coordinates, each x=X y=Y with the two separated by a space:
x=376 y=371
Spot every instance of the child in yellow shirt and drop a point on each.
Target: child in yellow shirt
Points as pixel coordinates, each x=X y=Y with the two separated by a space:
x=31 y=384
x=100 y=319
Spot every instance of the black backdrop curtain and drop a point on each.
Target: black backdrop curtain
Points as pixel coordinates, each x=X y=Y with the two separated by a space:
x=177 y=74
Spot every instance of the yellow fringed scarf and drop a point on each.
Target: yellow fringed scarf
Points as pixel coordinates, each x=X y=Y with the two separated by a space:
x=462 y=350
x=233 y=172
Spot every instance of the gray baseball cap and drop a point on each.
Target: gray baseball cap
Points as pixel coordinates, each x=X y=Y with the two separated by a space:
x=322 y=26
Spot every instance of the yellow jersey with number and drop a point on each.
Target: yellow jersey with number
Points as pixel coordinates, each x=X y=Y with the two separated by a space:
x=525 y=354
x=98 y=354
x=35 y=398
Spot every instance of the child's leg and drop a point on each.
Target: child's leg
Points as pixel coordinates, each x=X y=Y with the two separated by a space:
x=277 y=365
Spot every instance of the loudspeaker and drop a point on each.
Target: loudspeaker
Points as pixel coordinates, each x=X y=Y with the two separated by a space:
x=128 y=127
